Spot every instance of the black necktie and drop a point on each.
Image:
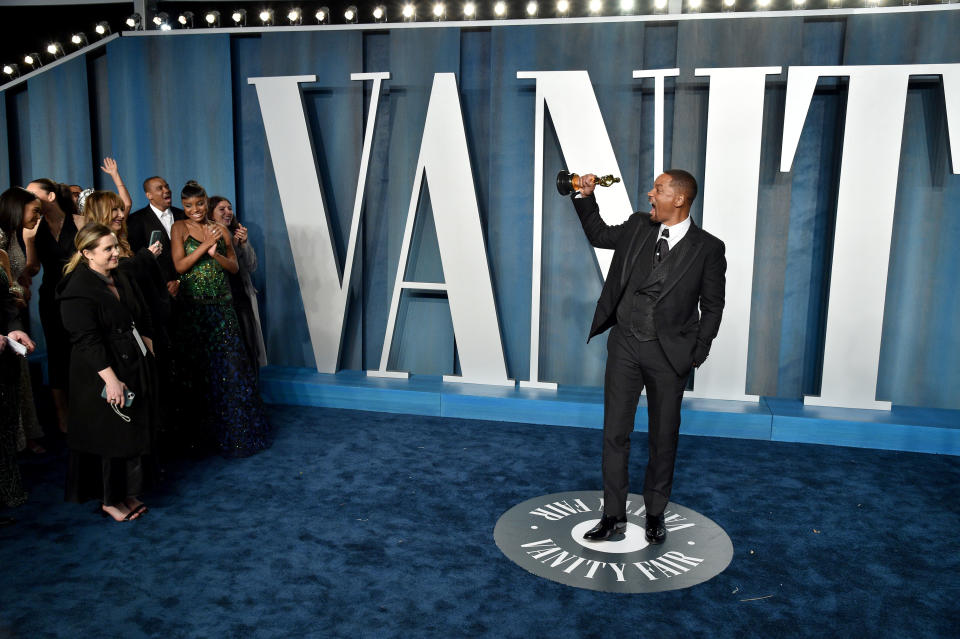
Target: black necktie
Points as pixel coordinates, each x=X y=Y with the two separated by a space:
x=663 y=247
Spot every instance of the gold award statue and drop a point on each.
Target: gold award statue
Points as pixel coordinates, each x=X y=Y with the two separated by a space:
x=567 y=182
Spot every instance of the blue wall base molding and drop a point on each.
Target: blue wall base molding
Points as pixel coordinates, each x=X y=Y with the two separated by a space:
x=922 y=430
x=919 y=430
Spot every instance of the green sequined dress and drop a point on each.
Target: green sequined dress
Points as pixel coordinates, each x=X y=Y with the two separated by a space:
x=215 y=376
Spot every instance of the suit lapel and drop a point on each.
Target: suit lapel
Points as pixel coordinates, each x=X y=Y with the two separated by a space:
x=155 y=223
x=683 y=257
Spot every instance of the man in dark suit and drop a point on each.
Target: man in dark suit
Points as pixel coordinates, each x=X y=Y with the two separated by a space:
x=158 y=215
x=663 y=297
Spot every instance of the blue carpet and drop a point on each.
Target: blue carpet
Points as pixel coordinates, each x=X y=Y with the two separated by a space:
x=360 y=524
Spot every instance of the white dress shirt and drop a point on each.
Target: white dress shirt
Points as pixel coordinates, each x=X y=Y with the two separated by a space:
x=165 y=217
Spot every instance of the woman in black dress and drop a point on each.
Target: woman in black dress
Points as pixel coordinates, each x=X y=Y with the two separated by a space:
x=109 y=327
x=11 y=489
x=51 y=247
x=19 y=214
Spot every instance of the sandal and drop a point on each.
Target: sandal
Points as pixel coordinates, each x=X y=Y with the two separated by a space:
x=136 y=506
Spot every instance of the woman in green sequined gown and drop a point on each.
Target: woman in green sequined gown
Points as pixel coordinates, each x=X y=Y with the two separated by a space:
x=210 y=363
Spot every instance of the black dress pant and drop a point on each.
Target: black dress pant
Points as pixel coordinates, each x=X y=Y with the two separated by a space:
x=632 y=365
x=106 y=479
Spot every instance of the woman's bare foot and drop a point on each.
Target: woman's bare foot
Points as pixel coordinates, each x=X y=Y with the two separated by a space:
x=119 y=512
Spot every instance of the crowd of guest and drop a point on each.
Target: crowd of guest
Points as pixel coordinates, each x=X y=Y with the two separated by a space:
x=151 y=330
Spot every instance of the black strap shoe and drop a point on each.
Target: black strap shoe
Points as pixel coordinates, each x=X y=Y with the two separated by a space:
x=656 y=529
x=606 y=528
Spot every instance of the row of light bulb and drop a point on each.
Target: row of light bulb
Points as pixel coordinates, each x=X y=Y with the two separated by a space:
x=439 y=11
x=379 y=13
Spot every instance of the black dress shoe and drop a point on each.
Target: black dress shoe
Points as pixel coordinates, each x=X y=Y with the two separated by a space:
x=606 y=528
x=656 y=529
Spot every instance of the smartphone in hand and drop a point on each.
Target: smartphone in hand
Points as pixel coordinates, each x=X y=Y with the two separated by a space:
x=154 y=237
x=128 y=396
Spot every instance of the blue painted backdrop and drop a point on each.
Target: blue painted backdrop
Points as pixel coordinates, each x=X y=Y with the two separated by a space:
x=180 y=106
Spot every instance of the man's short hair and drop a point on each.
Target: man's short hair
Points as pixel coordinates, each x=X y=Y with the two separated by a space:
x=146 y=183
x=683 y=182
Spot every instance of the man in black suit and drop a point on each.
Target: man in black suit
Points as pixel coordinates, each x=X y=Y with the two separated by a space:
x=663 y=297
x=158 y=215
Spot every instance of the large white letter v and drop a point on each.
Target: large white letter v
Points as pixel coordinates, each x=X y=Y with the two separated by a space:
x=314 y=257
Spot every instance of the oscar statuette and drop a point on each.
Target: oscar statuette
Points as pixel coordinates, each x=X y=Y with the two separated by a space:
x=568 y=182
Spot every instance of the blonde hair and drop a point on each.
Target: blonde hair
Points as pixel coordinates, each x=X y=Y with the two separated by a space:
x=99 y=208
x=86 y=240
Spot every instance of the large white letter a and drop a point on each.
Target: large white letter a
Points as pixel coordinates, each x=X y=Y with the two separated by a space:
x=444 y=156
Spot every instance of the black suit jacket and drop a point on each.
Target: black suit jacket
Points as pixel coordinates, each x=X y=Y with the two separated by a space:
x=687 y=314
x=139 y=226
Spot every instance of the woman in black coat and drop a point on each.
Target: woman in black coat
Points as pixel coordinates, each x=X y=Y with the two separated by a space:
x=112 y=355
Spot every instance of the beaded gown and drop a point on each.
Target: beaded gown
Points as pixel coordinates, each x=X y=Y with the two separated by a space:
x=216 y=378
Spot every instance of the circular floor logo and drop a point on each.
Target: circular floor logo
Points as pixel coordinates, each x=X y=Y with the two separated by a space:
x=544 y=535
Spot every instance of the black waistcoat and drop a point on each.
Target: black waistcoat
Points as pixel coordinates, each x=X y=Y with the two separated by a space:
x=635 y=311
